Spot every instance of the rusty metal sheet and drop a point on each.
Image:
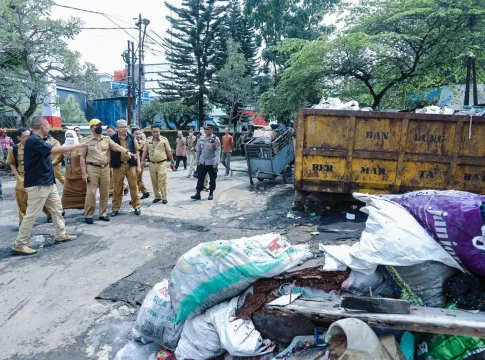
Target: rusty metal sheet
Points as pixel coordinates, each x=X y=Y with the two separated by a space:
x=421 y=175
x=377 y=135
x=377 y=172
x=330 y=134
x=430 y=137
x=345 y=151
x=321 y=168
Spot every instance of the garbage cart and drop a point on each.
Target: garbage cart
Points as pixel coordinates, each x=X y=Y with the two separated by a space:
x=268 y=159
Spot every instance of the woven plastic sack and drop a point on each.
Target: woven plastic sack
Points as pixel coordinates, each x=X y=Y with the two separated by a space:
x=156 y=318
x=454 y=219
x=213 y=272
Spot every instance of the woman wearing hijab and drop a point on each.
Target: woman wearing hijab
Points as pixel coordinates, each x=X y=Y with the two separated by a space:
x=74 y=191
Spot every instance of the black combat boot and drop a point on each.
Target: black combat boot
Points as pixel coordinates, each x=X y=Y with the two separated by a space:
x=196 y=196
x=211 y=196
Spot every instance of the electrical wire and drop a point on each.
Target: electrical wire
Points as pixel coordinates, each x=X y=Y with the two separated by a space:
x=106 y=28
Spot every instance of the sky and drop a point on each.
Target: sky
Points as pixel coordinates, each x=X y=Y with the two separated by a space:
x=103 y=48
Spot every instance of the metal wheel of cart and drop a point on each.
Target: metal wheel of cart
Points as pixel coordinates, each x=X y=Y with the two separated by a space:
x=289 y=174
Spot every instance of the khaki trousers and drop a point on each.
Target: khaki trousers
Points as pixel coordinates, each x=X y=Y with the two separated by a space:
x=97 y=177
x=118 y=177
x=158 y=174
x=21 y=198
x=191 y=163
x=58 y=174
x=141 y=184
x=38 y=196
x=112 y=183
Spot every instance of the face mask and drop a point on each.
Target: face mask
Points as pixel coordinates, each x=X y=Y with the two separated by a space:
x=70 y=141
x=98 y=130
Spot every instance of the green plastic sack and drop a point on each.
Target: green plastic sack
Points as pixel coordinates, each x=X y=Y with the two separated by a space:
x=447 y=347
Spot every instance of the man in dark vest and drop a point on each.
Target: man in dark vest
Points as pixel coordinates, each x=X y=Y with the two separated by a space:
x=125 y=166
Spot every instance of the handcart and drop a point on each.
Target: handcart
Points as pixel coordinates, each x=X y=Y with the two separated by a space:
x=266 y=161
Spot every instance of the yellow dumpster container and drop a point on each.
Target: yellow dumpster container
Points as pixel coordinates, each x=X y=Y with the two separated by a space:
x=383 y=152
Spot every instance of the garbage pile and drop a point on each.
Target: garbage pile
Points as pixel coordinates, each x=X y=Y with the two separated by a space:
x=424 y=248
x=268 y=134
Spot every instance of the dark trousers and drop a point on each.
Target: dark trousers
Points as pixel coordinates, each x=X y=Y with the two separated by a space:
x=177 y=162
x=243 y=150
x=203 y=170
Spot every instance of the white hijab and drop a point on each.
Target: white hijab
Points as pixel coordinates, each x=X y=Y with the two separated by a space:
x=71 y=141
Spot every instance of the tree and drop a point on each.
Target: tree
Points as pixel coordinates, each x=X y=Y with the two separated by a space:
x=276 y=20
x=71 y=112
x=88 y=80
x=389 y=48
x=191 y=50
x=171 y=112
x=237 y=27
x=32 y=48
x=234 y=86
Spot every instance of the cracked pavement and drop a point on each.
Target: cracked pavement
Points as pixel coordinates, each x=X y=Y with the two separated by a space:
x=58 y=304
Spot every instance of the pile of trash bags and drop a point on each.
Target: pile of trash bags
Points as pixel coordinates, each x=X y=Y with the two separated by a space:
x=427 y=247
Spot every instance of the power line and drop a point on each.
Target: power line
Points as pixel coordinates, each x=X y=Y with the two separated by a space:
x=106 y=28
x=108 y=17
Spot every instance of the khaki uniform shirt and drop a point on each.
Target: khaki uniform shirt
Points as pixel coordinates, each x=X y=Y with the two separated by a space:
x=54 y=143
x=99 y=150
x=157 y=149
x=190 y=142
x=124 y=143
x=20 y=159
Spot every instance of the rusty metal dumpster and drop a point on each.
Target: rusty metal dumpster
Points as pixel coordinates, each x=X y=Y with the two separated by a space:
x=383 y=152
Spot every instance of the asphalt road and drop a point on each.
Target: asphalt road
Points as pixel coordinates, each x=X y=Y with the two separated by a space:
x=57 y=304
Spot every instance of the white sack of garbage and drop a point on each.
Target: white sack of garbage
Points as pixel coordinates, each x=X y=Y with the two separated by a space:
x=213 y=272
x=218 y=330
x=336 y=104
x=156 y=318
x=391 y=237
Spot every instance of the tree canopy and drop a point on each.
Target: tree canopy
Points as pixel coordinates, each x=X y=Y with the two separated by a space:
x=32 y=48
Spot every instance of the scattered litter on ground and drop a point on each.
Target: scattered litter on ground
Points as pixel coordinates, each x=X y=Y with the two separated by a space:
x=314 y=233
x=241 y=218
x=137 y=351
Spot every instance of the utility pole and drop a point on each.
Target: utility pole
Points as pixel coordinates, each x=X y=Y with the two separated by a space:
x=133 y=61
x=128 y=79
x=141 y=39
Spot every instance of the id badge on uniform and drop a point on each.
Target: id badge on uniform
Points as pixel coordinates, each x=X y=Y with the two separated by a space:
x=209 y=146
x=152 y=152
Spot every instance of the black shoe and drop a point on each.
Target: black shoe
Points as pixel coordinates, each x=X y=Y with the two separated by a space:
x=115 y=213
x=49 y=220
x=137 y=211
x=156 y=201
x=104 y=218
x=63 y=213
x=126 y=191
x=164 y=202
x=196 y=196
x=89 y=221
x=145 y=196
x=195 y=176
x=211 y=196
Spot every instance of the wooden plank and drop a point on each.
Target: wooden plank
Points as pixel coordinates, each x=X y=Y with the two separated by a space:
x=421 y=319
x=376 y=305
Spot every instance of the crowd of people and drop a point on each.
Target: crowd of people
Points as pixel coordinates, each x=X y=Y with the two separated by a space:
x=111 y=162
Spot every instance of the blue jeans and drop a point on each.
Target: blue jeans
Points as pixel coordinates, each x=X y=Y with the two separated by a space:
x=226 y=161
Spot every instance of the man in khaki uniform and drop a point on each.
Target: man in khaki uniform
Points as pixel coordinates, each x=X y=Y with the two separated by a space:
x=110 y=131
x=140 y=139
x=56 y=160
x=124 y=166
x=157 y=148
x=15 y=159
x=95 y=168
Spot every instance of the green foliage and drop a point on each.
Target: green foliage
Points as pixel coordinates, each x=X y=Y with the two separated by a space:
x=276 y=20
x=234 y=86
x=33 y=46
x=172 y=111
x=387 y=49
x=191 y=49
x=71 y=112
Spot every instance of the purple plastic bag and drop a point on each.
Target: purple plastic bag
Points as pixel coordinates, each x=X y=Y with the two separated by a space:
x=453 y=219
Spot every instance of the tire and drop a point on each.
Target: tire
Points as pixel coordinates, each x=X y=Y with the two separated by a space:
x=288 y=175
x=260 y=179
